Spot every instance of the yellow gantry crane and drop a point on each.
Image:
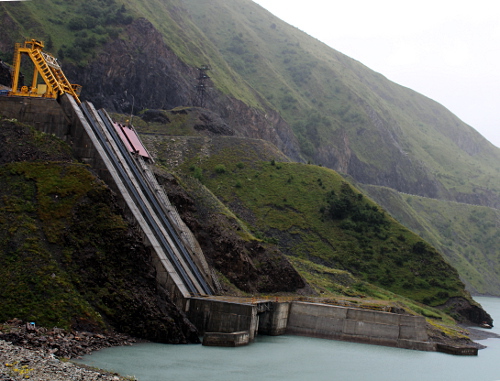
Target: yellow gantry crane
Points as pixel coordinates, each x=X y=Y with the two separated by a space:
x=49 y=70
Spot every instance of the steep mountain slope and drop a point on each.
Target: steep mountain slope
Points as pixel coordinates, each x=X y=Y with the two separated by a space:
x=466 y=234
x=269 y=81
x=66 y=251
x=348 y=117
x=343 y=115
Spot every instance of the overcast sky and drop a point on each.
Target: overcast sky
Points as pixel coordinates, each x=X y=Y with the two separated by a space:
x=446 y=50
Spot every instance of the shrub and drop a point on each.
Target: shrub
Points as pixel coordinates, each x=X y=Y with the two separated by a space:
x=74 y=52
x=61 y=54
x=361 y=287
x=113 y=33
x=408 y=284
x=86 y=44
x=419 y=247
x=49 y=44
x=347 y=225
x=77 y=23
x=220 y=168
x=349 y=204
x=387 y=280
x=197 y=172
x=99 y=29
x=442 y=295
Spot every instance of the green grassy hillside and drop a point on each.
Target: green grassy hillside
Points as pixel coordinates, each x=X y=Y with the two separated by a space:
x=71 y=30
x=320 y=221
x=465 y=234
x=35 y=228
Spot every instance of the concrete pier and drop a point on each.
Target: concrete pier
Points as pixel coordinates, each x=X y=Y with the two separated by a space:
x=233 y=339
x=274 y=320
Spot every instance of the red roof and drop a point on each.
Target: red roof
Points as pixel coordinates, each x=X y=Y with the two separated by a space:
x=131 y=140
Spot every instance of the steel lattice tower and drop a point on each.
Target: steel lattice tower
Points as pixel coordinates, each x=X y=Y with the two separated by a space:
x=201 y=87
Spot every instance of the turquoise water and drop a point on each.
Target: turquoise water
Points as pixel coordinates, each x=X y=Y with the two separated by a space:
x=294 y=358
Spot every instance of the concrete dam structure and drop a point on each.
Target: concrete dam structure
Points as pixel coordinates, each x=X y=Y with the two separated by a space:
x=180 y=265
x=234 y=324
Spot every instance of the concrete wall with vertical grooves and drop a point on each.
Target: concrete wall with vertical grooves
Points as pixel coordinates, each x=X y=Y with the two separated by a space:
x=358 y=325
x=310 y=319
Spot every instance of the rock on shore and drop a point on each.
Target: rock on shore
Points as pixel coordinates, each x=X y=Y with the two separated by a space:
x=28 y=352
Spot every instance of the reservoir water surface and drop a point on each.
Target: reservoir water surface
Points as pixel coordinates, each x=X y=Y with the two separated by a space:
x=295 y=358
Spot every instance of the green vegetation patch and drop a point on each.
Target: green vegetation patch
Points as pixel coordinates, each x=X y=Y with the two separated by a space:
x=33 y=285
x=59 y=187
x=465 y=234
x=71 y=30
x=64 y=260
x=314 y=215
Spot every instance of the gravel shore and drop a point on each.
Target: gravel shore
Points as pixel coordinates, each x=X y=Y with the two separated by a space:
x=27 y=352
x=18 y=363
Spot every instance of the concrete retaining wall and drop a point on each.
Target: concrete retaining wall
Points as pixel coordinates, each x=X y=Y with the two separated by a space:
x=308 y=319
x=273 y=322
x=209 y=315
x=358 y=325
x=42 y=113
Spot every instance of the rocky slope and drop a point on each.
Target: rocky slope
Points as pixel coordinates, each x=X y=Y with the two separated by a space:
x=18 y=363
x=153 y=77
x=251 y=265
x=59 y=342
